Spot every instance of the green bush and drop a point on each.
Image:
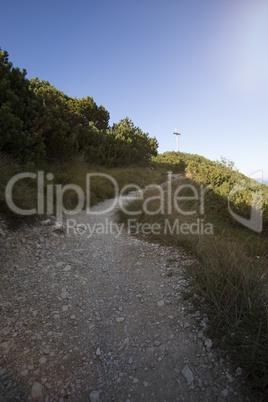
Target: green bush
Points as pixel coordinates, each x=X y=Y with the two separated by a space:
x=223 y=178
x=39 y=122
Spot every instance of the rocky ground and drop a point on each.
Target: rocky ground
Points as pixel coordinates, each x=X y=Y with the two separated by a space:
x=102 y=317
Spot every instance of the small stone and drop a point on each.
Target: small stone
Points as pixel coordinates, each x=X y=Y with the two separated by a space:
x=37 y=390
x=42 y=360
x=65 y=308
x=67 y=268
x=73 y=317
x=163 y=347
x=23 y=373
x=76 y=261
x=208 y=343
x=120 y=319
x=98 y=352
x=94 y=396
x=58 y=227
x=145 y=383
x=160 y=303
x=60 y=264
x=238 y=371
x=46 y=222
x=229 y=377
x=200 y=383
x=130 y=360
x=2 y=233
x=187 y=374
x=225 y=392
x=24 y=226
x=4 y=345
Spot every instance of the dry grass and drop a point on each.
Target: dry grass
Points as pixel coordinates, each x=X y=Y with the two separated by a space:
x=74 y=172
x=232 y=277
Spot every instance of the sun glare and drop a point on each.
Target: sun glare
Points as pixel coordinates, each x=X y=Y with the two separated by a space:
x=250 y=49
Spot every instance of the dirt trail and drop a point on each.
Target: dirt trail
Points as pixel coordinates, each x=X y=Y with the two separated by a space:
x=101 y=317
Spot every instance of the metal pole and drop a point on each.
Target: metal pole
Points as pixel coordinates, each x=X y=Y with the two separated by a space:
x=177 y=135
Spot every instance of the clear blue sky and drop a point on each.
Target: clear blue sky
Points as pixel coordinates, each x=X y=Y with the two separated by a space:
x=198 y=65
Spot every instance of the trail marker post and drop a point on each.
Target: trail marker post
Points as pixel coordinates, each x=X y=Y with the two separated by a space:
x=177 y=135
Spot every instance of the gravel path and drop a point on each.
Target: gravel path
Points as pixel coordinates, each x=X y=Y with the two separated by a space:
x=102 y=318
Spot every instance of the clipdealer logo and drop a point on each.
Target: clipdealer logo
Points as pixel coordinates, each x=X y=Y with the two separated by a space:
x=50 y=201
x=198 y=227
x=255 y=221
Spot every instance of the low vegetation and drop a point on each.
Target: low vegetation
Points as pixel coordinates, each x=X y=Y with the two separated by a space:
x=24 y=192
x=225 y=180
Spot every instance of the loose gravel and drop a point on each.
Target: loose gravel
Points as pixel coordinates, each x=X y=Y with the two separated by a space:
x=102 y=317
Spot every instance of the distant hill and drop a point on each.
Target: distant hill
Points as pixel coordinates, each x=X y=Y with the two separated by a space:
x=262 y=181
